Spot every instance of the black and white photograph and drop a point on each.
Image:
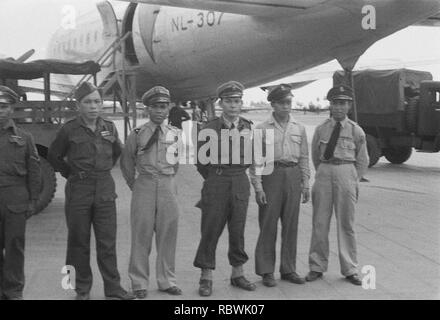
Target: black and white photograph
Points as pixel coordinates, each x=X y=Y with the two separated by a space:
x=216 y=156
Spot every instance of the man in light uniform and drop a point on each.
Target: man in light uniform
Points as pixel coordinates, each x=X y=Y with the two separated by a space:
x=279 y=194
x=339 y=154
x=151 y=149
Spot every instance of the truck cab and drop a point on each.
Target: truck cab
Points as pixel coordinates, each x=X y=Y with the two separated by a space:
x=399 y=110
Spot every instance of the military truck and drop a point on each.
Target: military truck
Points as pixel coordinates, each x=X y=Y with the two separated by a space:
x=398 y=109
x=42 y=118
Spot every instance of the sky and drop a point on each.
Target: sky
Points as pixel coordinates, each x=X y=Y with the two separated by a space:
x=27 y=24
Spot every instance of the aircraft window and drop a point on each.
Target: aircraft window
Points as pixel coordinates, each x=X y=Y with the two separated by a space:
x=96 y=36
x=88 y=38
x=81 y=39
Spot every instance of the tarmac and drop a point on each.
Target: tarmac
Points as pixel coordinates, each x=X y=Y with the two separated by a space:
x=397 y=228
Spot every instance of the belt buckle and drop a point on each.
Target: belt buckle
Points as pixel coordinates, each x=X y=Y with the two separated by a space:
x=219 y=171
x=82 y=174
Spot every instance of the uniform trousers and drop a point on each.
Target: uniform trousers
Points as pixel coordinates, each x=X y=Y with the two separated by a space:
x=154 y=210
x=335 y=188
x=14 y=202
x=90 y=201
x=283 y=194
x=224 y=201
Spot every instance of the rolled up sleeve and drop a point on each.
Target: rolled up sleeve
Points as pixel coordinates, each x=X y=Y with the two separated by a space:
x=362 y=159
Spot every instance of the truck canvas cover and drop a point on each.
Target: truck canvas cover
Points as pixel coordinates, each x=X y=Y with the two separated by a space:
x=11 y=69
x=382 y=91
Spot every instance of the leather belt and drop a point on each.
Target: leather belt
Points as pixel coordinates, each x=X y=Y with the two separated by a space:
x=90 y=174
x=10 y=180
x=337 y=161
x=285 y=164
x=227 y=172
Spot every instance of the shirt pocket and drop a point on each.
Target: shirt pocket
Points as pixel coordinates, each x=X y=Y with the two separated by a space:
x=80 y=147
x=295 y=143
x=17 y=208
x=17 y=156
x=345 y=148
x=108 y=145
x=18 y=144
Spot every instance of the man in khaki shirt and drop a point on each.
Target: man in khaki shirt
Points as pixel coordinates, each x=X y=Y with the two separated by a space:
x=339 y=154
x=279 y=193
x=152 y=150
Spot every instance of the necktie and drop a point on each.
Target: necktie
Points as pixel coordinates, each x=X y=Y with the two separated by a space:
x=154 y=138
x=332 y=142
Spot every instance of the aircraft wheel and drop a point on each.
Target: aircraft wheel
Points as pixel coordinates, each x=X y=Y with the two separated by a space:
x=374 y=152
x=397 y=155
x=48 y=185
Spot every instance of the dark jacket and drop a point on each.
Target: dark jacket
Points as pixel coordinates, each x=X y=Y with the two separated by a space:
x=218 y=125
x=19 y=160
x=83 y=149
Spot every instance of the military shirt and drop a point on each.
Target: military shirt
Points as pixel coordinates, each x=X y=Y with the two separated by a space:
x=225 y=160
x=19 y=160
x=161 y=158
x=289 y=145
x=351 y=145
x=77 y=148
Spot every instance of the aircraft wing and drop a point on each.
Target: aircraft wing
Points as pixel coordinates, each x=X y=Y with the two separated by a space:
x=433 y=21
x=264 y=8
x=294 y=85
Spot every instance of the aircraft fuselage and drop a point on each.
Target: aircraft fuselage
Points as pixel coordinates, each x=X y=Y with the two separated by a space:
x=192 y=51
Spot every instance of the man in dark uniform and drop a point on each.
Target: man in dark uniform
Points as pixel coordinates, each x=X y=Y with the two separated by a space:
x=225 y=192
x=177 y=115
x=91 y=147
x=20 y=178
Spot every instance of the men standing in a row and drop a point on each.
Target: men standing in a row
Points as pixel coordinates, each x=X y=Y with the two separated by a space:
x=225 y=192
x=152 y=150
x=279 y=194
x=339 y=154
x=91 y=147
x=20 y=178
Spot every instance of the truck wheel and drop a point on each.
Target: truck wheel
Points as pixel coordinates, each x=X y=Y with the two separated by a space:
x=374 y=152
x=411 y=115
x=48 y=185
x=397 y=155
